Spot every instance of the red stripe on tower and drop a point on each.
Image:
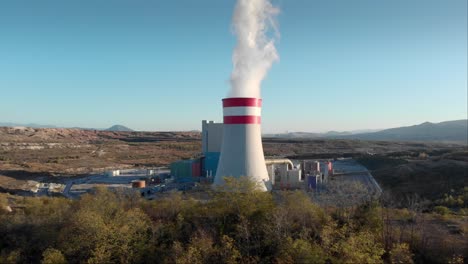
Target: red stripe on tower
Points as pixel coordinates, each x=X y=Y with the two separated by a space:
x=233 y=120
x=241 y=110
x=242 y=150
x=242 y=101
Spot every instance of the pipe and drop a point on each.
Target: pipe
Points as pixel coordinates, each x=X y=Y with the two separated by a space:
x=280 y=161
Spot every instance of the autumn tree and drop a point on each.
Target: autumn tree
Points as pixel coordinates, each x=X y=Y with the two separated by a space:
x=53 y=256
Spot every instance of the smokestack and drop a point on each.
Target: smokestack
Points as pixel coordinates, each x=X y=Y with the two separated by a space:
x=241 y=149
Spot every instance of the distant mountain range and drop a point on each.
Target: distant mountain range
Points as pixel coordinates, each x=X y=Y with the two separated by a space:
x=320 y=135
x=450 y=131
x=33 y=125
x=455 y=131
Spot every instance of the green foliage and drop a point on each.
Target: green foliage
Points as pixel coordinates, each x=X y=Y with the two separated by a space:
x=463 y=212
x=369 y=216
x=104 y=231
x=401 y=254
x=53 y=256
x=442 y=210
x=455 y=199
x=298 y=216
x=3 y=204
x=456 y=259
x=3 y=200
x=301 y=251
x=202 y=249
x=12 y=257
x=348 y=246
x=236 y=225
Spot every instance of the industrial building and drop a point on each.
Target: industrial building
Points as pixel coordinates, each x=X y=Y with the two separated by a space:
x=282 y=173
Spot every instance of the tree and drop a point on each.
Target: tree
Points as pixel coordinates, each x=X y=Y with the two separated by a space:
x=297 y=216
x=352 y=246
x=14 y=256
x=301 y=251
x=102 y=231
x=53 y=256
x=401 y=254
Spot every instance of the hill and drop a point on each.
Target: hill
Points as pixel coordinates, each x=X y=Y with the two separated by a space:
x=119 y=128
x=292 y=135
x=311 y=135
x=33 y=125
x=451 y=131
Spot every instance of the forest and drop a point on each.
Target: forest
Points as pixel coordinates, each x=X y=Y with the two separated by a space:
x=235 y=225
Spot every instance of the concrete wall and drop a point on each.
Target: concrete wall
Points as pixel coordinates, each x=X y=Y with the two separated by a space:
x=294 y=178
x=212 y=136
x=242 y=155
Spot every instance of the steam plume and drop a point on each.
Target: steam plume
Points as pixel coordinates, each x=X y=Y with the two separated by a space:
x=253 y=22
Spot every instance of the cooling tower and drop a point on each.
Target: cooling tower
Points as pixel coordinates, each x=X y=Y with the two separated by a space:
x=241 y=149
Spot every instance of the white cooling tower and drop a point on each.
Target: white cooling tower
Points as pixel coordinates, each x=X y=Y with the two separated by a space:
x=241 y=149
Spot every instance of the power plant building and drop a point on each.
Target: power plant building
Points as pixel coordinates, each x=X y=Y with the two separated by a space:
x=212 y=136
x=282 y=173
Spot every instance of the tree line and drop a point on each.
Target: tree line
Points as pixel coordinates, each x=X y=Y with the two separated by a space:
x=238 y=225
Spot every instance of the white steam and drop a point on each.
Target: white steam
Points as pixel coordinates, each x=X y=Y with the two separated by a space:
x=255 y=52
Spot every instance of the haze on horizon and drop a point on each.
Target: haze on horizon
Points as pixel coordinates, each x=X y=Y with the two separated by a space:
x=165 y=65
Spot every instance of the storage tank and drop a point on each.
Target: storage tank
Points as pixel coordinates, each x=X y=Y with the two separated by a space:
x=138 y=184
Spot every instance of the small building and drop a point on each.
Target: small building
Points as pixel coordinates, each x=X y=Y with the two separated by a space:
x=112 y=173
x=186 y=168
x=284 y=174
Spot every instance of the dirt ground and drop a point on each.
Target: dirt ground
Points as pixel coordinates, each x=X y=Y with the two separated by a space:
x=33 y=153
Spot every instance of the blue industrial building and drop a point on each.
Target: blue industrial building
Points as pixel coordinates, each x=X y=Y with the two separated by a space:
x=211 y=148
x=210 y=164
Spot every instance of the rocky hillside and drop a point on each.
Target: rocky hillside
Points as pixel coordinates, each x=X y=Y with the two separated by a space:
x=70 y=135
x=45 y=151
x=450 y=131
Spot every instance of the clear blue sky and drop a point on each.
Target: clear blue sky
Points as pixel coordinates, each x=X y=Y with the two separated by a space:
x=165 y=65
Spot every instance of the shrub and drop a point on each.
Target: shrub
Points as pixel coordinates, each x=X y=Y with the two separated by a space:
x=53 y=256
x=401 y=254
x=442 y=210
